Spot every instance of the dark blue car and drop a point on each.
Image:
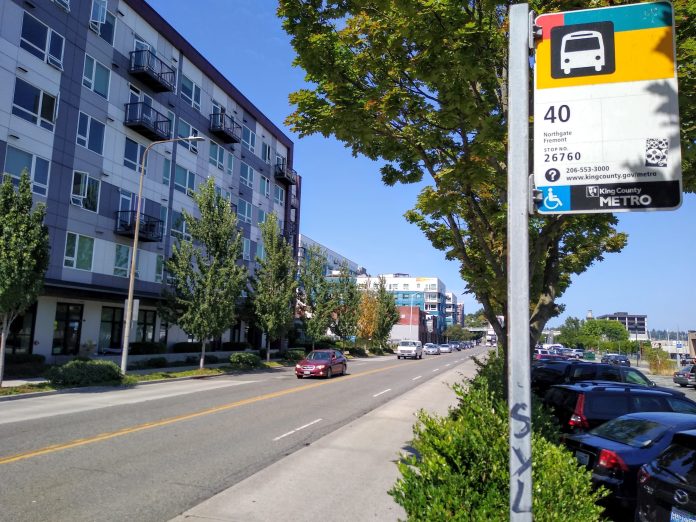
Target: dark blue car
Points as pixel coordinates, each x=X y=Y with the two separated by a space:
x=615 y=450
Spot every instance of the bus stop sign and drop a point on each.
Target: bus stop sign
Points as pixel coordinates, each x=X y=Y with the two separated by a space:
x=606 y=118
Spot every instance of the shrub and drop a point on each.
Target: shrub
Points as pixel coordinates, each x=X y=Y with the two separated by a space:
x=462 y=469
x=146 y=348
x=357 y=351
x=232 y=346
x=186 y=347
x=295 y=355
x=85 y=373
x=24 y=365
x=157 y=362
x=245 y=361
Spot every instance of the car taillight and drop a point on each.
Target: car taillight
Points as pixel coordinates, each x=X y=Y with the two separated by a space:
x=578 y=419
x=643 y=475
x=692 y=375
x=610 y=460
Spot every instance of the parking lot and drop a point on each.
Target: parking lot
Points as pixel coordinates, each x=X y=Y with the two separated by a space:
x=667 y=382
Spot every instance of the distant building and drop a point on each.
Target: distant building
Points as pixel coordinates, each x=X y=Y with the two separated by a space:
x=412 y=325
x=637 y=325
x=427 y=293
x=460 y=314
x=334 y=260
x=451 y=309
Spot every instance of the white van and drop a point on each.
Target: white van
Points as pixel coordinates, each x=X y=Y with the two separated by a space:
x=582 y=49
x=413 y=349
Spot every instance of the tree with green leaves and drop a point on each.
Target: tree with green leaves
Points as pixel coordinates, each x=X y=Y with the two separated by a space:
x=24 y=254
x=368 y=315
x=274 y=284
x=422 y=87
x=387 y=313
x=315 y=295
x=207 y=281
x=345 y=295
x=456 y=332
x=571 y=332
x=605 y=330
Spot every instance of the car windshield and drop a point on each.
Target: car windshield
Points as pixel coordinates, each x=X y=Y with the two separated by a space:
x=407 y=343
x=318 y=355
x=637 y=433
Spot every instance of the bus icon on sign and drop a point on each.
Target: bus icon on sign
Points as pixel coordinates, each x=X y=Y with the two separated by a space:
x=582 y=49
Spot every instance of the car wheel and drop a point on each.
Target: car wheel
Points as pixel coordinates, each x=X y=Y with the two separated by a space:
x=328 y=373
x=298 y=376
x=345 y=369
x=683 y=385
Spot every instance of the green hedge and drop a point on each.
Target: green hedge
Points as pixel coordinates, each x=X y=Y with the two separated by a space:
x=24 y=365
x=235 y=346
x=186 y=347
x=146 y=348
x=296 y=354
x=85 y=373
x=245 y=361
x=461 y=472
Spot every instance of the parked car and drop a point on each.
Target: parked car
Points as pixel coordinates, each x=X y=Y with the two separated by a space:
x=686 y=376
x=412 y=349
x=616 y=450
x=431 y=349
x=546 y=373
x=667 y=485
x=585 y=405
x=607 y=357
x=322 y=363
x=445 y=348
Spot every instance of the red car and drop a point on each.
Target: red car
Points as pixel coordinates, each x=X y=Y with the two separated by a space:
x=322 y=363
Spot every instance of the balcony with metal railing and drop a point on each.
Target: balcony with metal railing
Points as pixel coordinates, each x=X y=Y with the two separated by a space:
x=151 y=229
x=224 y=127
x=141 y=117
x=152 y=71
x=285 y=173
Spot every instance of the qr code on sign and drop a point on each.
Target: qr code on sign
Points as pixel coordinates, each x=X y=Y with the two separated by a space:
x=656 y=152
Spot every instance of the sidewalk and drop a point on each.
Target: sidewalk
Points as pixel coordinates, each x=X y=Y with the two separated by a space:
x=345 y=475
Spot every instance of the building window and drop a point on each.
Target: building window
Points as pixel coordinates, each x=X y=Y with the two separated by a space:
x=102 y=21
x=96 y=77
x=163 y=217
x=248 y=138
x=246 y=175
x=34 y=105
x=85 y=191
x=246 y=249
x=266 y=152
x=405 y=286
x=67 y=328
x=133 y=155
x=121 y=260
x=145 y=328
x=279 y=195
x=18 y=161
x=167 y=171
x=185 y=130
x=217 y=155
x=191 y=92
x=65 y=4
x=111 y=328
x=224 y=194
x=260 y=251
x=229 y=169
x=265 y=186
x=159 y=268
x=262 y=216
x=78 y=251
x=180 y=227
x=42 y=42
x=90 y=133
x=184 y=180
x=244 y=211
x=126 y=201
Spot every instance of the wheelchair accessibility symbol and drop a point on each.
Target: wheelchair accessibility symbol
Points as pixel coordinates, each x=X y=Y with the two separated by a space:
x=552 y=201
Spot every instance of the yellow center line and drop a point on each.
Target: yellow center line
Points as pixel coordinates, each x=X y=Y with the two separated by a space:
x=179 y=418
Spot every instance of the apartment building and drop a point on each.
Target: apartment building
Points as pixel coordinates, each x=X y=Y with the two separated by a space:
x=427 y=293
x=451 y=309
x=636 y=324
x=334 y=260
x=85 y=87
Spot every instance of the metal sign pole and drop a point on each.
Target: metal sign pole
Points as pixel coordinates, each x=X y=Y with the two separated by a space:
x=519 y=396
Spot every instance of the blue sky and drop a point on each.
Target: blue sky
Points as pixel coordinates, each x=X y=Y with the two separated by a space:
x=346 y=207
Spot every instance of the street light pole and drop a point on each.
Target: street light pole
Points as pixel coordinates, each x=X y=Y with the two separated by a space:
x=136 y=232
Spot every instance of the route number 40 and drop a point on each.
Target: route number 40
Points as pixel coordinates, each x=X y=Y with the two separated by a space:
x=561 y=113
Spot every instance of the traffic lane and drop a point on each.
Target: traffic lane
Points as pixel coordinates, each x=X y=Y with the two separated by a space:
x=56 y=419
x=154 y=475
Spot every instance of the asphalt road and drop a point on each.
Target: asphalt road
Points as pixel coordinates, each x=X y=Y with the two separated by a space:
x=152 y=452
